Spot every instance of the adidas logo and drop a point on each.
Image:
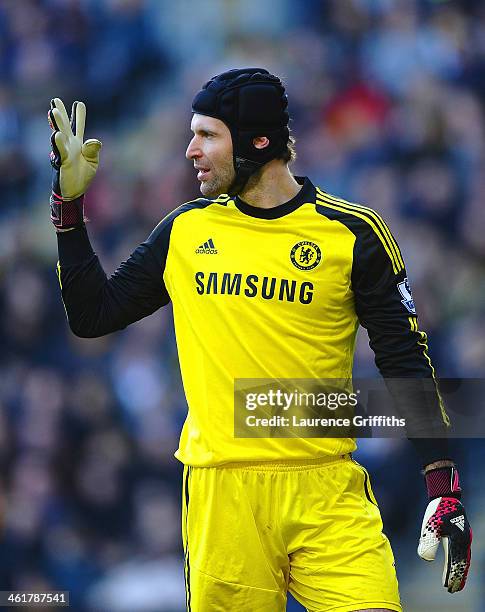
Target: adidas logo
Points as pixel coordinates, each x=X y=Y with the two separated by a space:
x=459 y=521
x=207 y=248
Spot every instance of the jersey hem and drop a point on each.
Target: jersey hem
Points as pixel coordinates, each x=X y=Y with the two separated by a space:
x=285 y=465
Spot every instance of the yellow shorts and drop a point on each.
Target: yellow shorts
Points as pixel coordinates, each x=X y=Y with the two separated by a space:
x=253 y=531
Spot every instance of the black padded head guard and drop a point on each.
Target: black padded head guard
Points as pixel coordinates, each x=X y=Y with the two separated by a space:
x=251 y=102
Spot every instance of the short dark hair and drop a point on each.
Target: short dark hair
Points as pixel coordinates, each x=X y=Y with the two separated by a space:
x=289 y=155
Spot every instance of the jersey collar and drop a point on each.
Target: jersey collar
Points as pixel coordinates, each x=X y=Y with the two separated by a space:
x=306 y=194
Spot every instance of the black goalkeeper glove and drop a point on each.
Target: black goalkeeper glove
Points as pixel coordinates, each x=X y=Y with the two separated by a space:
x=74 y=163
x=445 y=520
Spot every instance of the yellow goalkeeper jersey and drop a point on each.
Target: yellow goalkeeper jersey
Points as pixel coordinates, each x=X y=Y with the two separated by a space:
x=257 y=293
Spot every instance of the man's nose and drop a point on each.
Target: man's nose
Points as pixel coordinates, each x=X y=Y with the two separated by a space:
x=193 y=150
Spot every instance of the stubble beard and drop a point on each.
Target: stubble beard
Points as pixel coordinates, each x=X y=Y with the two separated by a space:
x=219 y=184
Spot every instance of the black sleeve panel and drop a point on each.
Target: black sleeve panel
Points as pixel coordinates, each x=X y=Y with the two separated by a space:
x=385 y=307
x=97 y=305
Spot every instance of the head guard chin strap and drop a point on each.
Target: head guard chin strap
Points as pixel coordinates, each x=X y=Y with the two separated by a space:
x=251 y=102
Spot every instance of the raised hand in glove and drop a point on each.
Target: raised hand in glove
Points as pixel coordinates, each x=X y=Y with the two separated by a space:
x=74 y=162
x=445 y=520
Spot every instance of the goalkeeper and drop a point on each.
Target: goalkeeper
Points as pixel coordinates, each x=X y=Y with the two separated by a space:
x=269 y=277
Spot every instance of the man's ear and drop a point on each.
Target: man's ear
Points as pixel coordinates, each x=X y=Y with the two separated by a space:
x=261 y=142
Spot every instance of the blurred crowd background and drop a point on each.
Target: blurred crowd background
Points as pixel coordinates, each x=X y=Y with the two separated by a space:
x=387 y=101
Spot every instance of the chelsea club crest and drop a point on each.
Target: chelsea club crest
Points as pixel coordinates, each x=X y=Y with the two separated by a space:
x=305 y=255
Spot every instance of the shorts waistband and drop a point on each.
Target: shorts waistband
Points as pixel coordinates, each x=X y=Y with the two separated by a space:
x=284 y=466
